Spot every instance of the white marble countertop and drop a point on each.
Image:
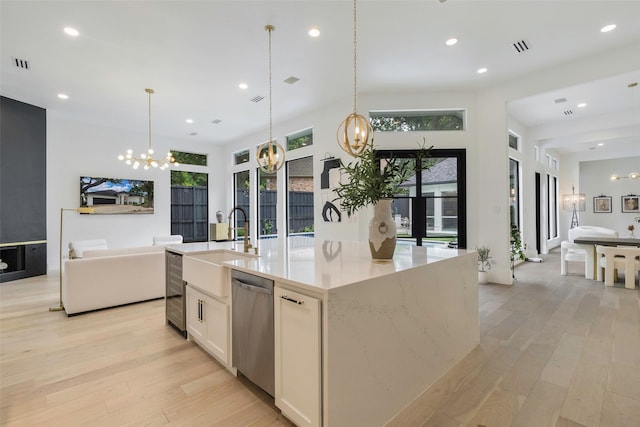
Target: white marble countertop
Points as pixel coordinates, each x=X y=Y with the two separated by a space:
x=321 y=265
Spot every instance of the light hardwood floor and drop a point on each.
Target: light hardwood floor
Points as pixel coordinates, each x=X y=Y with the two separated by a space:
x=554 y=351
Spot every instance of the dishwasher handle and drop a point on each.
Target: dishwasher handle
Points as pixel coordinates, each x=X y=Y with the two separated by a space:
x=252 y=288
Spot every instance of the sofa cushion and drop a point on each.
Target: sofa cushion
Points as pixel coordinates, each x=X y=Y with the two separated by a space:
x=78 y=247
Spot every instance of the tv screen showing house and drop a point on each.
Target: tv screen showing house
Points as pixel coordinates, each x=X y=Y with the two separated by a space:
x=116 y=196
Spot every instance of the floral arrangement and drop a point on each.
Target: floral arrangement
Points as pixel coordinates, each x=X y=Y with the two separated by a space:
x=631 y=227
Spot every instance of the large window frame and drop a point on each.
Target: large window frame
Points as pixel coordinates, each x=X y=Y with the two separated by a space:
x=552 y=207
x=300 y=204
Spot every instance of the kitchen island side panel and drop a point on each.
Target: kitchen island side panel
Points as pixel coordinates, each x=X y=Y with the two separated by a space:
x=389 y=338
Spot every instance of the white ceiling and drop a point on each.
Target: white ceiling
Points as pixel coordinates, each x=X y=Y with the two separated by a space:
x=194 y=54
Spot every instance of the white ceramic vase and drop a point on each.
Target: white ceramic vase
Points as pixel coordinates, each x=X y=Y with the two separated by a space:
x=382 y=231
x=483 y=277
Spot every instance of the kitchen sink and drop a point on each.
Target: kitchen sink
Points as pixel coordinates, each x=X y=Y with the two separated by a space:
x=207 y=271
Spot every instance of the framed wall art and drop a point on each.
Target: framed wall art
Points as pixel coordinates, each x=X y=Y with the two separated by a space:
x=602 y=204
x=631 y=203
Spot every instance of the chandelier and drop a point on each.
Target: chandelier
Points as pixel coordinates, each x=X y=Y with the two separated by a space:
x=270 y=155
x=147 y=159
x=354 y=131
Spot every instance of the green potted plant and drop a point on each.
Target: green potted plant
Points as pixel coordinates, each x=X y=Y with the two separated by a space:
x=484 y=264
x=516 y=251
x=374 y=181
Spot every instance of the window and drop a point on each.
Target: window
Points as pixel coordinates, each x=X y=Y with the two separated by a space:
x=432 y=205
x=554 y=164
x=241 y=157
x=190 y=205
x=552 y=206
x=300 y=139
x=300 y=196
x=411 y=121
x=267 y=205
x=185 y=158
x=241 y=199
x=514 y=141
x=514 y=192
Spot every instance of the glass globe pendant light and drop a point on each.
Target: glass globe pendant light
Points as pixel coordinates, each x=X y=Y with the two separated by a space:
x=270 y=155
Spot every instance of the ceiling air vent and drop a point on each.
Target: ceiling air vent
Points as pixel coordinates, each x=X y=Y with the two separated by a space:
x=521 y=46
x=560 y=100
x=291 y=80
x=257 y=98
x=21 y=63
x=193 y=133
x=216 y=121
x=568 y=112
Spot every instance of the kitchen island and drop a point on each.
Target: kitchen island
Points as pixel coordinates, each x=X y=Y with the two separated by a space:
x=357 y=340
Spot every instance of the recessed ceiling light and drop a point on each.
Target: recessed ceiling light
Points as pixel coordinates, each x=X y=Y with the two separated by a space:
x=189 y=121
x=314 y=32
x=243 y=86
x=482 y=70
x=582 y=104
x=608 y=28
x=600 y=144
x=451 y=41
x=71 y=31
x=63 y=96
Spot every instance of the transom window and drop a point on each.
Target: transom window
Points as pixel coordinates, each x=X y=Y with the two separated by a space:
x=300 y=139
x=412 y=121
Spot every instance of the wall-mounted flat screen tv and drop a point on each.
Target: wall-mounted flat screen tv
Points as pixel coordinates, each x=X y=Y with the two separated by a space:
x=116 y=196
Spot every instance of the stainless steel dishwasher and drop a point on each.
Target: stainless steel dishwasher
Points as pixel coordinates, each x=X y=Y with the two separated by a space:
x=252 y=330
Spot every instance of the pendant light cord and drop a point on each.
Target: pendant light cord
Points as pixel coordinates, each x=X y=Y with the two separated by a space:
x=149 y=91
x=355 y=57
x=270 y=91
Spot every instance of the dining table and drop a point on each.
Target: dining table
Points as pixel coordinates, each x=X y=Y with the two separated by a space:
x=605 y=241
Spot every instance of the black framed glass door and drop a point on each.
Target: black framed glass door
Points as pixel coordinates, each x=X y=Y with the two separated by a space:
x=431 y=206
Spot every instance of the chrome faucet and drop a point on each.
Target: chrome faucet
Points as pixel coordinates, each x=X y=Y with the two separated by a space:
x=247 y=245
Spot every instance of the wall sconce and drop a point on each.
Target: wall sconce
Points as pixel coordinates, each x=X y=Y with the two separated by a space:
x=632 y=175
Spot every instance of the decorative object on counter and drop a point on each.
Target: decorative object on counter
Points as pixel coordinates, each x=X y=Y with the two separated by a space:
x=147 y=160
x=484 y=263
x=516 y=251
x=575 y=203
x=630 y=203
x=602 y=204
x=371 y=181
x=354 y=131
x=270 y=155
x=220 y=216
x=631 y=228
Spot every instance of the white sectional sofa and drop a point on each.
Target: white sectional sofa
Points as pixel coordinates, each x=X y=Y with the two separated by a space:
x=110 y=277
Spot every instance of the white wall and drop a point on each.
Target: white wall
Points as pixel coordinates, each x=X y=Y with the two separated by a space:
x=77 y=149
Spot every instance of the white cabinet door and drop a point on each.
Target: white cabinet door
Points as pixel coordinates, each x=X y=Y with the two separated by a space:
x=208 y=323
x=216 y=317
x=195 y=324
x=298 y=356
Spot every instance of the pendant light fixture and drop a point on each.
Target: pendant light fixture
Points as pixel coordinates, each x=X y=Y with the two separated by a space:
x=270 y=155
x=146 y=159
x=354 y=132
